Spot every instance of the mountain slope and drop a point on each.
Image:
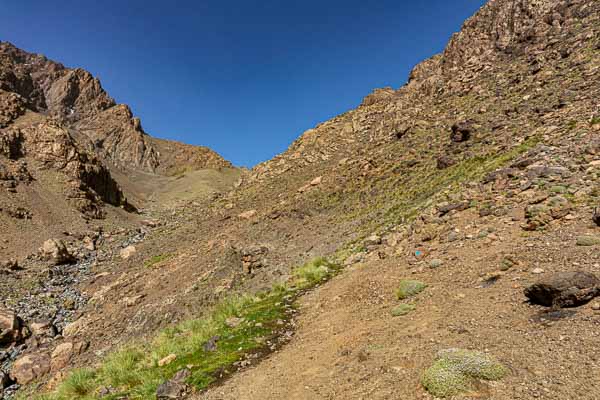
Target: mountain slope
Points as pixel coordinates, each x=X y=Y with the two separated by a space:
x=67 y=150
x=476 y=175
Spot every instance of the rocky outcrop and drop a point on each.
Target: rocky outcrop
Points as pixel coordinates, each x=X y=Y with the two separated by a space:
x=49 y=143
x=76 y=99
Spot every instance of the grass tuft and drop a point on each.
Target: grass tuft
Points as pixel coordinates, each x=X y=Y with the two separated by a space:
x=455 y=371
x=402 y=309
x=409 y=288
x=314 y=272
x=152 y=261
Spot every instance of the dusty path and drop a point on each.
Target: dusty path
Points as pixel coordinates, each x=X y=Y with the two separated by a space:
x=348 y=346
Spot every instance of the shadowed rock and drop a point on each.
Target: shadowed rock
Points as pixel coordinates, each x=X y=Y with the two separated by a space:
x=564 y=289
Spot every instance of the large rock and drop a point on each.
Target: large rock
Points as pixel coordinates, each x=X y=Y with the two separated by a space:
x=564 y=289
x=174 y=388
x=56 y=252
x=461 y=131
x=596 y=216
x=10 y=327
x=127 y=252
x=64 y=352
x=30 y=367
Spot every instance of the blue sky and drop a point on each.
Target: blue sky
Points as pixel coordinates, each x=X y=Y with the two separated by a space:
x=245 y=78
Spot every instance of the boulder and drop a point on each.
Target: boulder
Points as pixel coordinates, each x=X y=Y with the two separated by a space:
x=174 y=388
x=444 y=162
x=127 y=252
x=461 y=131
x=55 y=251
x=596 y=216
x=564 y=289
x=64 y=352
x=540 y=214
x=10 y=327
x=170 y=390
x=8 y=266
x=254 y=257
x=42 y=328
x=30 y=367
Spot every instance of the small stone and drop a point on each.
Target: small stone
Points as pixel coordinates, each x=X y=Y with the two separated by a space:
x=537 y=271
x=248 y=214
x=435 y=263
x=316 y=181
x=211 y=344
x=596 y=306
x=373 y=240
x=233 y=322
x=167 y=360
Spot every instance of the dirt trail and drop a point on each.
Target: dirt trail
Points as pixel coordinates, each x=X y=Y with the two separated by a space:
x=348 y=346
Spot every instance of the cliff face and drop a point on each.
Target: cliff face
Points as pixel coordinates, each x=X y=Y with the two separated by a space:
x=76 y=98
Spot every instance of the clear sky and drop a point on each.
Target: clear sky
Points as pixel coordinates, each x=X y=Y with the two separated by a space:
x=245 y=78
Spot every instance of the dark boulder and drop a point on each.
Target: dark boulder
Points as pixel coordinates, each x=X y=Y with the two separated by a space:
x=461 y=131
x=564 y=289
x=596 y=216
x=444 y=162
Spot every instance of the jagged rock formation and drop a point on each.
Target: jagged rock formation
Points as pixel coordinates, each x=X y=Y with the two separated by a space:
x=76 y=98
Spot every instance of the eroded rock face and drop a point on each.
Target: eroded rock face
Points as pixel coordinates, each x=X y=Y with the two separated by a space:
x=564 y=289
x=77 y=99
x=88 y=182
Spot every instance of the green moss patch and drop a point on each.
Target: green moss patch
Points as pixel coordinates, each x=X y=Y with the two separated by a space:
x=456 y=370
x=409 y=288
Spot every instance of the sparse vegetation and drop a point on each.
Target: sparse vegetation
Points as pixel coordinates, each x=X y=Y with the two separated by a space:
x=134 y=370
x=455 y=371
x=314 y=272
x=409 y=288
x=402 y=309
x=152 y=261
